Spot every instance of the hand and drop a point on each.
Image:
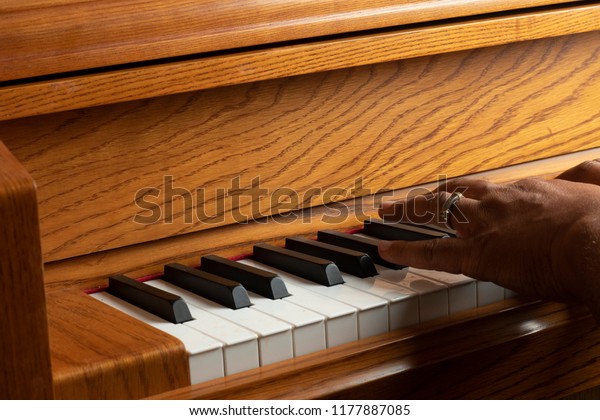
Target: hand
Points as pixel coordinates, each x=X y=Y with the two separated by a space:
x=538 y=237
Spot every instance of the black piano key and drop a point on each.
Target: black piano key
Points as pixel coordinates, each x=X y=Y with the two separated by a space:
x=163 y=304
x=315 y=269
x=345 y=240
x=218 y=289
x=400 y=231
x=349 y=261
x=263 y=282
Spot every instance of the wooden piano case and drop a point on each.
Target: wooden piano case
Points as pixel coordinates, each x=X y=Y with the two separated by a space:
x=138 y=133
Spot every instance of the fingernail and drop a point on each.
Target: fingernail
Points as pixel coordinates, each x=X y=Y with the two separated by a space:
x=386 y=204
x=384 y=246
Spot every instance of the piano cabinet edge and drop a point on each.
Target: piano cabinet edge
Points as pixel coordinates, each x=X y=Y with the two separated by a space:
x=535 y=350
x=136 y=32
x=63 y=344
x=23 y=327
x=100 y=353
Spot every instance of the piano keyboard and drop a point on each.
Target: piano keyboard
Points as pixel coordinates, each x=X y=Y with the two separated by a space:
x=292 y=311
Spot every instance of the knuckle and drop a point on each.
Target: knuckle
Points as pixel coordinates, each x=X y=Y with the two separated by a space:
x=429 y=250
x=528 y=183
x=588 y=166
x=584 y=167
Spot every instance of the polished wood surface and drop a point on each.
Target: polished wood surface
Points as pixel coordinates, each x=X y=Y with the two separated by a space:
x=194 y=157
x=41 y=37
x=101 y=353
x=89 y=271
x=205 y=72
x=25 y=361
x=338 y=104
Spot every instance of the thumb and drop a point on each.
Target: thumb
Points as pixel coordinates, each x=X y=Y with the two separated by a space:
x=444 y=254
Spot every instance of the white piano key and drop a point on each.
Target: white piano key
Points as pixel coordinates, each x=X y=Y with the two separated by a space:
x=433 y=296
x=205 y=353
x=488 y=293
x=341 y=321
x=403 y=303
x=509 y=294
x=462 y=290
x=240 y=345
x=275 y=336
x=372 y=311
x=341 y=325
x=308 y=328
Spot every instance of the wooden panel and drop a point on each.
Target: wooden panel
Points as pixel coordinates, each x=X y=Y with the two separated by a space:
x=418 y=119
x=25 y=361
x=22 y=100
x=45 y=37
x=98 y=352
x=91 y=271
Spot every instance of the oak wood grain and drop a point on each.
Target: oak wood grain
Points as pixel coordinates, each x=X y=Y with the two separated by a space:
x=388 y=125
x=100 y=353
x=139 y=260
x=45 y=37
x=397 y=94
x=25 y=360
x=61 y=94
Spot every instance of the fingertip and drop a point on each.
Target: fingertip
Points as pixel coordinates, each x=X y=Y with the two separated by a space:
x=436 y=254
x=384 y=246
x=391 y=251
x=386 y=206
x=388 y=210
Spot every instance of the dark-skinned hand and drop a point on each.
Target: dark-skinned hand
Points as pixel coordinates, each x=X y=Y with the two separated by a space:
x=538 y=237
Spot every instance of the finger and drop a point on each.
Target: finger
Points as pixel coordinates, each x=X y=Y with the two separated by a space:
x=419 y=209
x=426 y=210
x=468 y=187
x=462 y=215
x=392 y=211
x=445 y=254
x=588 y=172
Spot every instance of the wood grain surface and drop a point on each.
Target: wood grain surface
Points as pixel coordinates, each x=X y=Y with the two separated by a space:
x=25 y=361
x=230 y=68
x=100 y=353
x=265 y=111
x=139 y=260
x=191 y=160
x=48 y=36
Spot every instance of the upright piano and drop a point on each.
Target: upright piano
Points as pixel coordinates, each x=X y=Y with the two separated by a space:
x=135 y=134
